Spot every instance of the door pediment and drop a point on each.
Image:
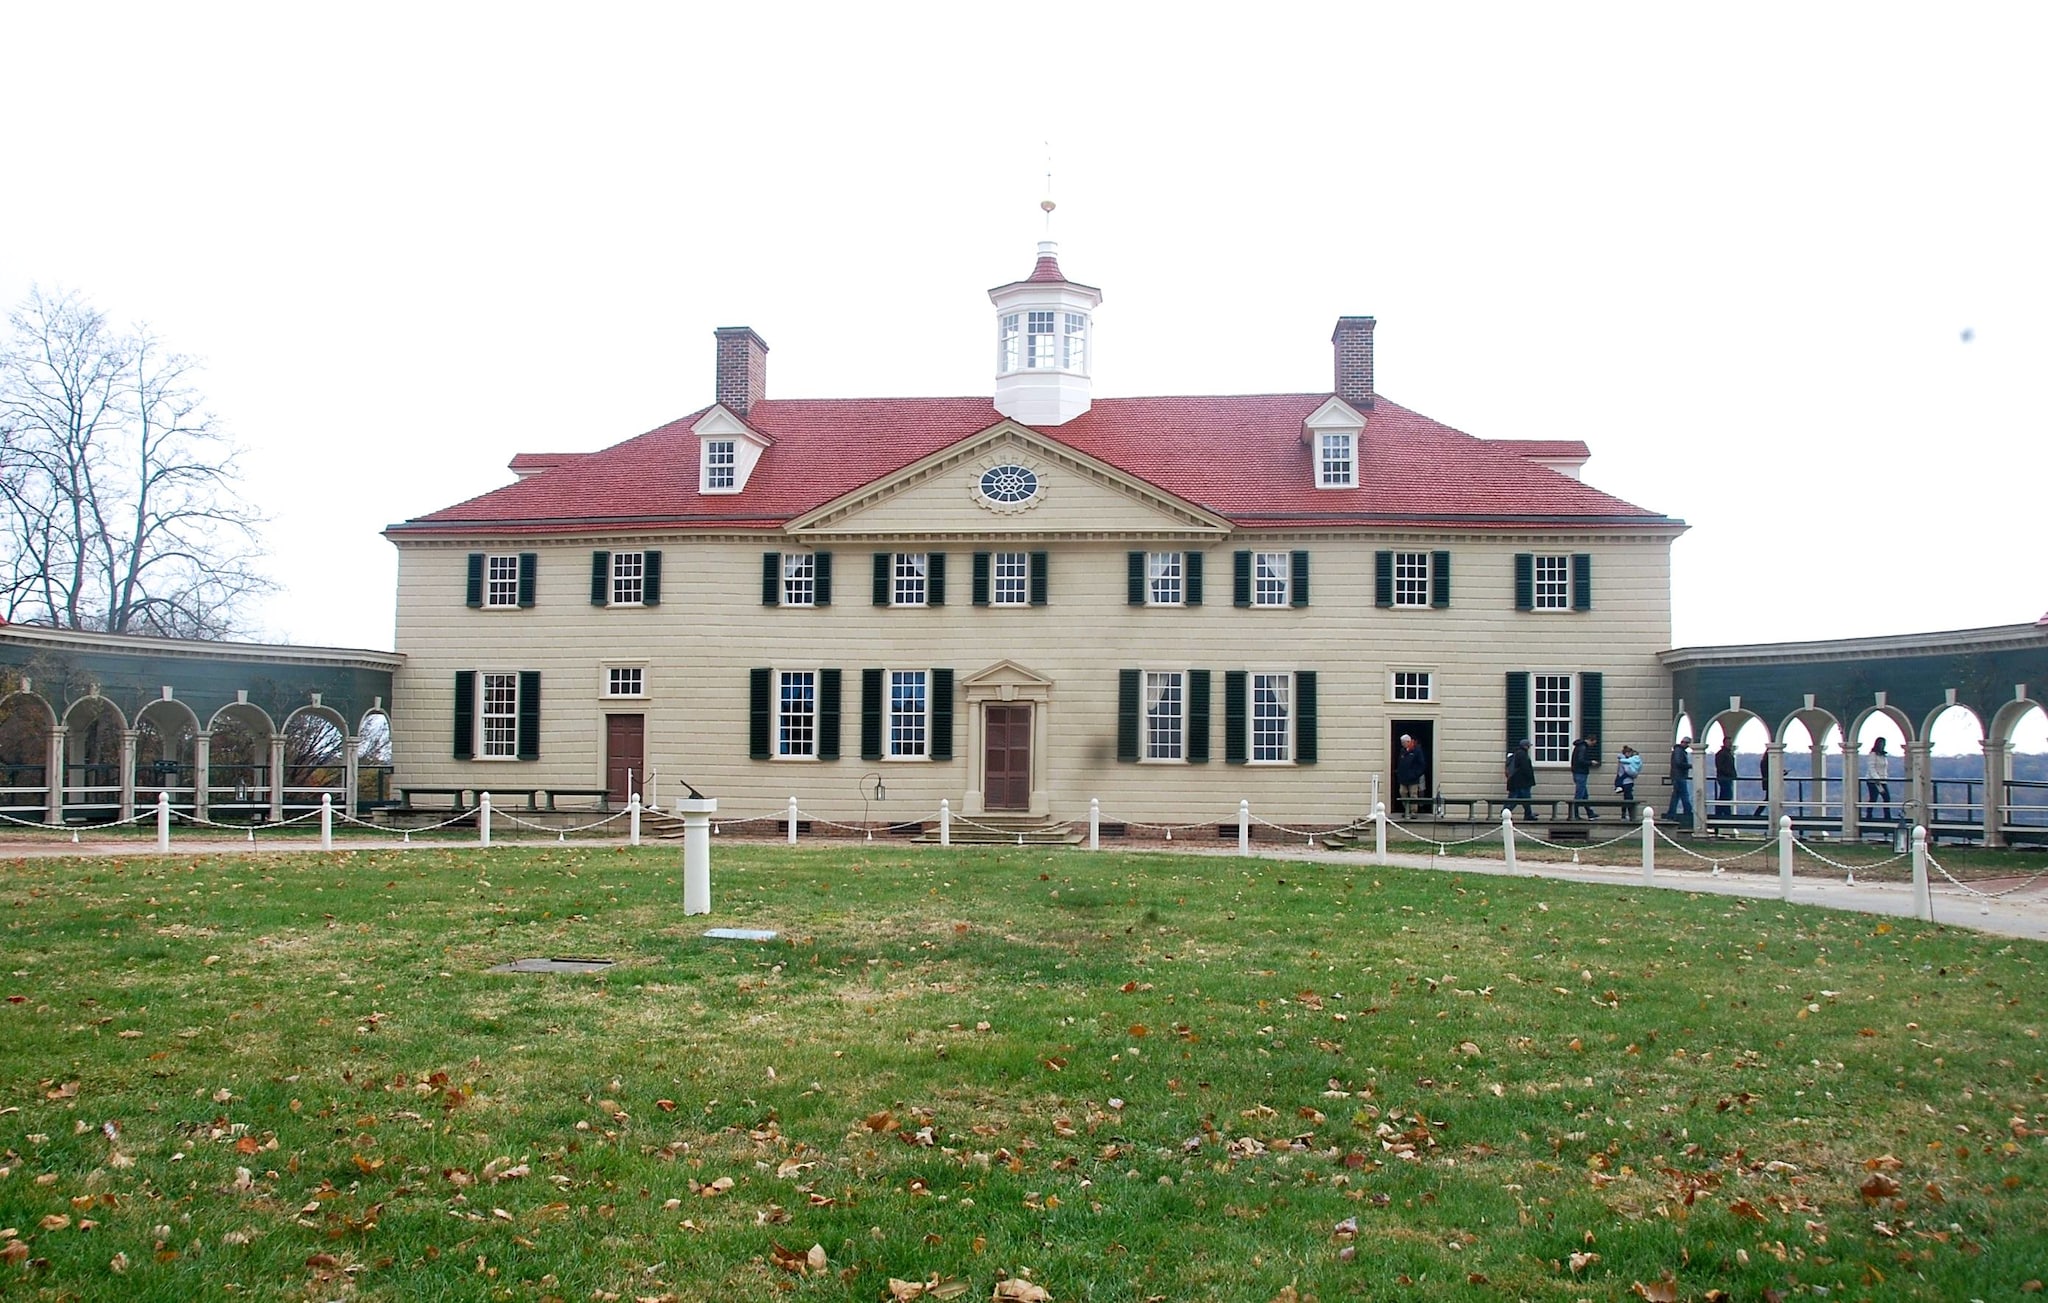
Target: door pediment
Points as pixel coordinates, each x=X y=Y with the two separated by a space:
x=1006 y=680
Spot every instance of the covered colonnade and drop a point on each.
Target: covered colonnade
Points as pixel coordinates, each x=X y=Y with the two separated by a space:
x=90 y=723
x=1838 y=688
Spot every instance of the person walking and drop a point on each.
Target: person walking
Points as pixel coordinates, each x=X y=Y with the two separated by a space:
x=1724 y=779
x=1681 y=781
x=1521 y=778
x=1585 y=759
x=1877 y=778
x=1627 y=766
x=1411 y=774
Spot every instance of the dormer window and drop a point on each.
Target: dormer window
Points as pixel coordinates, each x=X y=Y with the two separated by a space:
x=721 y=461
x=1337 y=460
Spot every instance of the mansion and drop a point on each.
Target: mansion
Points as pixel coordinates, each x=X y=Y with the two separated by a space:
x=1025 y=599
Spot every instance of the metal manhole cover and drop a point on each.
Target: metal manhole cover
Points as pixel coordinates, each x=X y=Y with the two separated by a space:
x=554 y=966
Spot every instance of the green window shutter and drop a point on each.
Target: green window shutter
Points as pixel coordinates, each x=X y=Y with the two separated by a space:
x=1304 y=717
x=1198 y=717
x=1134 y=579
x=941 y=732
x=1518 y=706
x=1241 y=586
x=600 y=578
x=1041 y=577
x=1191 y=578
x=760 y=713
x=981 y=564
x=871 y=714
x=771 y=579
x=1589 y=707
x=529 y=715
x=1440 y=579
x=935 y=579
x=465 y=714
x=1525 y=581
x=476 y=579
x=821 y=578
x=828 y=714
x=529 y=577
x=884 y=561
x=1298 y=590
x=1582 y=581
x=650 y=579
x=1236 y=684
x=1383 y=579
x=1127 y=686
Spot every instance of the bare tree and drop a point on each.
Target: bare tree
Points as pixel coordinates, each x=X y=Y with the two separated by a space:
x=120 y=505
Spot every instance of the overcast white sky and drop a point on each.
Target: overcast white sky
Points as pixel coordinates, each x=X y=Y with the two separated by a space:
x=1733 y=248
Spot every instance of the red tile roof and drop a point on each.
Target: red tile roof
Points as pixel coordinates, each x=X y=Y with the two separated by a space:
x=1560 y=449
x=1240 y=456
x=1047 y=270
x=527 y=463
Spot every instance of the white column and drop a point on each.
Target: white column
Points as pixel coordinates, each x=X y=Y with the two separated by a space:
x=1774 y=781
x=792 y=821
x=696 y=815
x=1923 y=900
x=163 y=821
x=202 y=773
x=128 y=739
x=1919 y=785
x=633 y=818
x=1997 y=766
x=1785 y=857
x=1379 y=828
x=326 y=821
x=1244 y=827
x=1698 y=779
x=350 y=775
x=1852 y=790
x=53 y=776
x=1649 y=845
x=483 y=818
x=1507 y=837
x=277 y=780
x=946 y=822
x=1094 y=822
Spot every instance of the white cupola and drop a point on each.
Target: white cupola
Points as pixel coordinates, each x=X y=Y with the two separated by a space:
x=1044 y=345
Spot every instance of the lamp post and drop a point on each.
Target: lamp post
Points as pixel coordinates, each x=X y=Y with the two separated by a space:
x=870 y=788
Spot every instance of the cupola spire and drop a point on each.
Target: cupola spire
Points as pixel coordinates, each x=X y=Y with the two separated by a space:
x=1044 y=349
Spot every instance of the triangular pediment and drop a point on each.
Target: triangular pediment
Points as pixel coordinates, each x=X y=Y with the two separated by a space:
x=1006 y=673
x=1071 y=495
x=721 y=423
x=1334 y=415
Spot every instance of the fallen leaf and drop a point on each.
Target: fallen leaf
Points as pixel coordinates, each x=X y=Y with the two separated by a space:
x=1663 y=1291
x=1580 y=1261
x=1879 y=1186
x=1015 y=1290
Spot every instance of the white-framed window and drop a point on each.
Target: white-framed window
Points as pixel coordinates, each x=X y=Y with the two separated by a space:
x=1010 y=579
x=909 y=587
x=1411 y=579
x=1553 y=583
x=796 y=715
x=1074 y=343
x=1411 y=685
x=799 y=579
x=721 y=464
x=628 y=572
x=1337 y=460
x=1272 y=574
x=1010 y=343
x=1041 y=340
x=1272 y=721
x=909 y=712
x=501 y=581
x=625 y=681
x=498 y=716
x=1164 y=573
x=1550 y=710
x=1165 y=714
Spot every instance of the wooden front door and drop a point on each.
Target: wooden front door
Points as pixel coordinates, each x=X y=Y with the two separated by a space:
x=1006 y=757
x=625 y=755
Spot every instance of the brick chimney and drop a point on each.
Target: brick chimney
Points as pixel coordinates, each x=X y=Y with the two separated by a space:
x=743 y=368
x=1353 y=343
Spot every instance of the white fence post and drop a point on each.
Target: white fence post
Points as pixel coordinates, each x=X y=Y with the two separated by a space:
x=483 y=818
x=163 y=821
x=696 y=815
x=1923 y=901
x=1379 y=830
x=1649 y=846
x=1244 y=827
x=1094 y=823
x=633 y=818
x=945 y=822
x=1784 y=857
x=326 y=822
x=792 y=821
x=1507 y=837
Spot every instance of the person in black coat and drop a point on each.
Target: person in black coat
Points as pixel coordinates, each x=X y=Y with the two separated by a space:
x=1521 y=778
x=1724 y=779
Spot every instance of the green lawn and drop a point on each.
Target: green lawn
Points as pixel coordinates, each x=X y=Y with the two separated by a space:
x=1115 y=1076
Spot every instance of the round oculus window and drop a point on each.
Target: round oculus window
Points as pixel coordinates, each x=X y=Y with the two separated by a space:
x=1009 y=484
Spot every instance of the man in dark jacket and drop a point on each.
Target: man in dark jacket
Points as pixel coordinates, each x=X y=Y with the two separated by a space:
x=1521 y=778
x=1725 y=774
x=1585 y=759
x=1681 y=781
x=1411 y=774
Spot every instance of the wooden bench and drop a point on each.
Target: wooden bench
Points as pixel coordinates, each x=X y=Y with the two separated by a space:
x=602 y=795
x=1572 y=805
x=458 y=797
